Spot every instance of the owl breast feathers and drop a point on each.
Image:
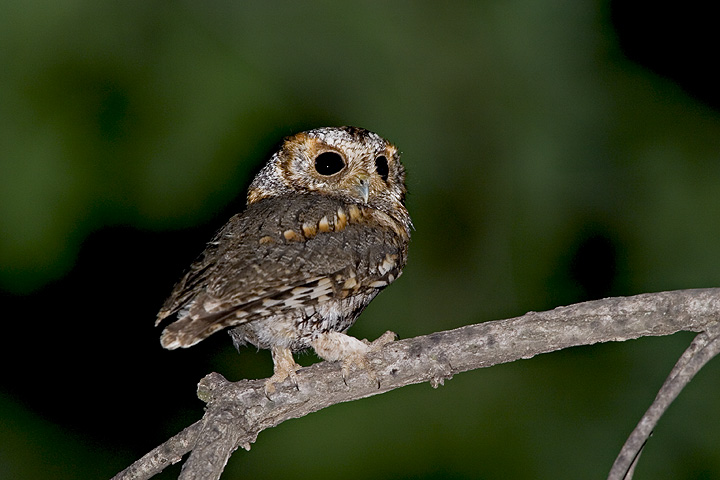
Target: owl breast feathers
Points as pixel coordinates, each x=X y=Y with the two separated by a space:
x=324 y=231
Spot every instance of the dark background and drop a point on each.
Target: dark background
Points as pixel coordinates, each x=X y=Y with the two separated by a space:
x=556 y=151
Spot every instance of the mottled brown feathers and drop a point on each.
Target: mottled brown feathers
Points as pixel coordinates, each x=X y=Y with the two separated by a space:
x=315 y=245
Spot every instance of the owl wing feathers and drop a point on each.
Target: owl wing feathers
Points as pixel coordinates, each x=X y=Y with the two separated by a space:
x=283 y=253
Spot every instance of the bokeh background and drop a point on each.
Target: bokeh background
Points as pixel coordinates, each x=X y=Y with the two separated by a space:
x=557 y=151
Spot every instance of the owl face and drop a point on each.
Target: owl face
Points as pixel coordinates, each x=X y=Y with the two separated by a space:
x=345 y=162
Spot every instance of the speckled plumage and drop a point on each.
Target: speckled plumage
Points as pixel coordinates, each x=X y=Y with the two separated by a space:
x=324 y=231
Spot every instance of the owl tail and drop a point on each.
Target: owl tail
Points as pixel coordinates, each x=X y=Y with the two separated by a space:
x=189 y=330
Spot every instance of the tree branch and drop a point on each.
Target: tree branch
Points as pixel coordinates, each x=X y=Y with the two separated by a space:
x=702 y=349
x=238 y=412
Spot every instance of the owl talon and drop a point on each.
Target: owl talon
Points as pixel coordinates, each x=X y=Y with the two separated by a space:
x=360 y=362
x=285 y=367
x=279 y=377
x=336 y=346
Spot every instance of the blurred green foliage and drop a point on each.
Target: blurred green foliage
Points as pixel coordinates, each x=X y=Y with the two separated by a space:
x=544 y=168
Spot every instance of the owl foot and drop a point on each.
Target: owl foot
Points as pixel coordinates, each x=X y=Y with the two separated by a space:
x=285 y=367
x=336 y=346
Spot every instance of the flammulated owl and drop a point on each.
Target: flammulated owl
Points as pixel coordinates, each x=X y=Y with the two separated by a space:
x=325 y=229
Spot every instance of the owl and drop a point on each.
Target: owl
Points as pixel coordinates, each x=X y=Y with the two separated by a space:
x=324 y=231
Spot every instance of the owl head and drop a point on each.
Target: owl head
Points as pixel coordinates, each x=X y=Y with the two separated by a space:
x=350 y=163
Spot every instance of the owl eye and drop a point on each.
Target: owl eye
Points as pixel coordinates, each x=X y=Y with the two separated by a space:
x=381 y=166
x=329 y=163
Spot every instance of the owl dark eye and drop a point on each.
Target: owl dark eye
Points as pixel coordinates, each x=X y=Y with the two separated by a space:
x=381 y=166
x=329 y=163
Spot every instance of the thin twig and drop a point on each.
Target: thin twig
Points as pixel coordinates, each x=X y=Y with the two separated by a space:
x=702 y=349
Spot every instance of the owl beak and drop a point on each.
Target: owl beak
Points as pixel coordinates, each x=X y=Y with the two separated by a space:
x=363 y=187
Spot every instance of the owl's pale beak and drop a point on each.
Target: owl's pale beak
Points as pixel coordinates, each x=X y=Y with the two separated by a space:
x=363 y=187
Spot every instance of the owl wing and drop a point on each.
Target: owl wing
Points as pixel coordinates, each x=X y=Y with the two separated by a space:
x=283 y=254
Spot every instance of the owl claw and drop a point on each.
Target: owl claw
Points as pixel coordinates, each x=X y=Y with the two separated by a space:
x=285 y=367
x=336 y=346
x=279 y=377
x=359 y=361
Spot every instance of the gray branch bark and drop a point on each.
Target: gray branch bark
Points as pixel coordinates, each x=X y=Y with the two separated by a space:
x=702 y=349
x=237 y=412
